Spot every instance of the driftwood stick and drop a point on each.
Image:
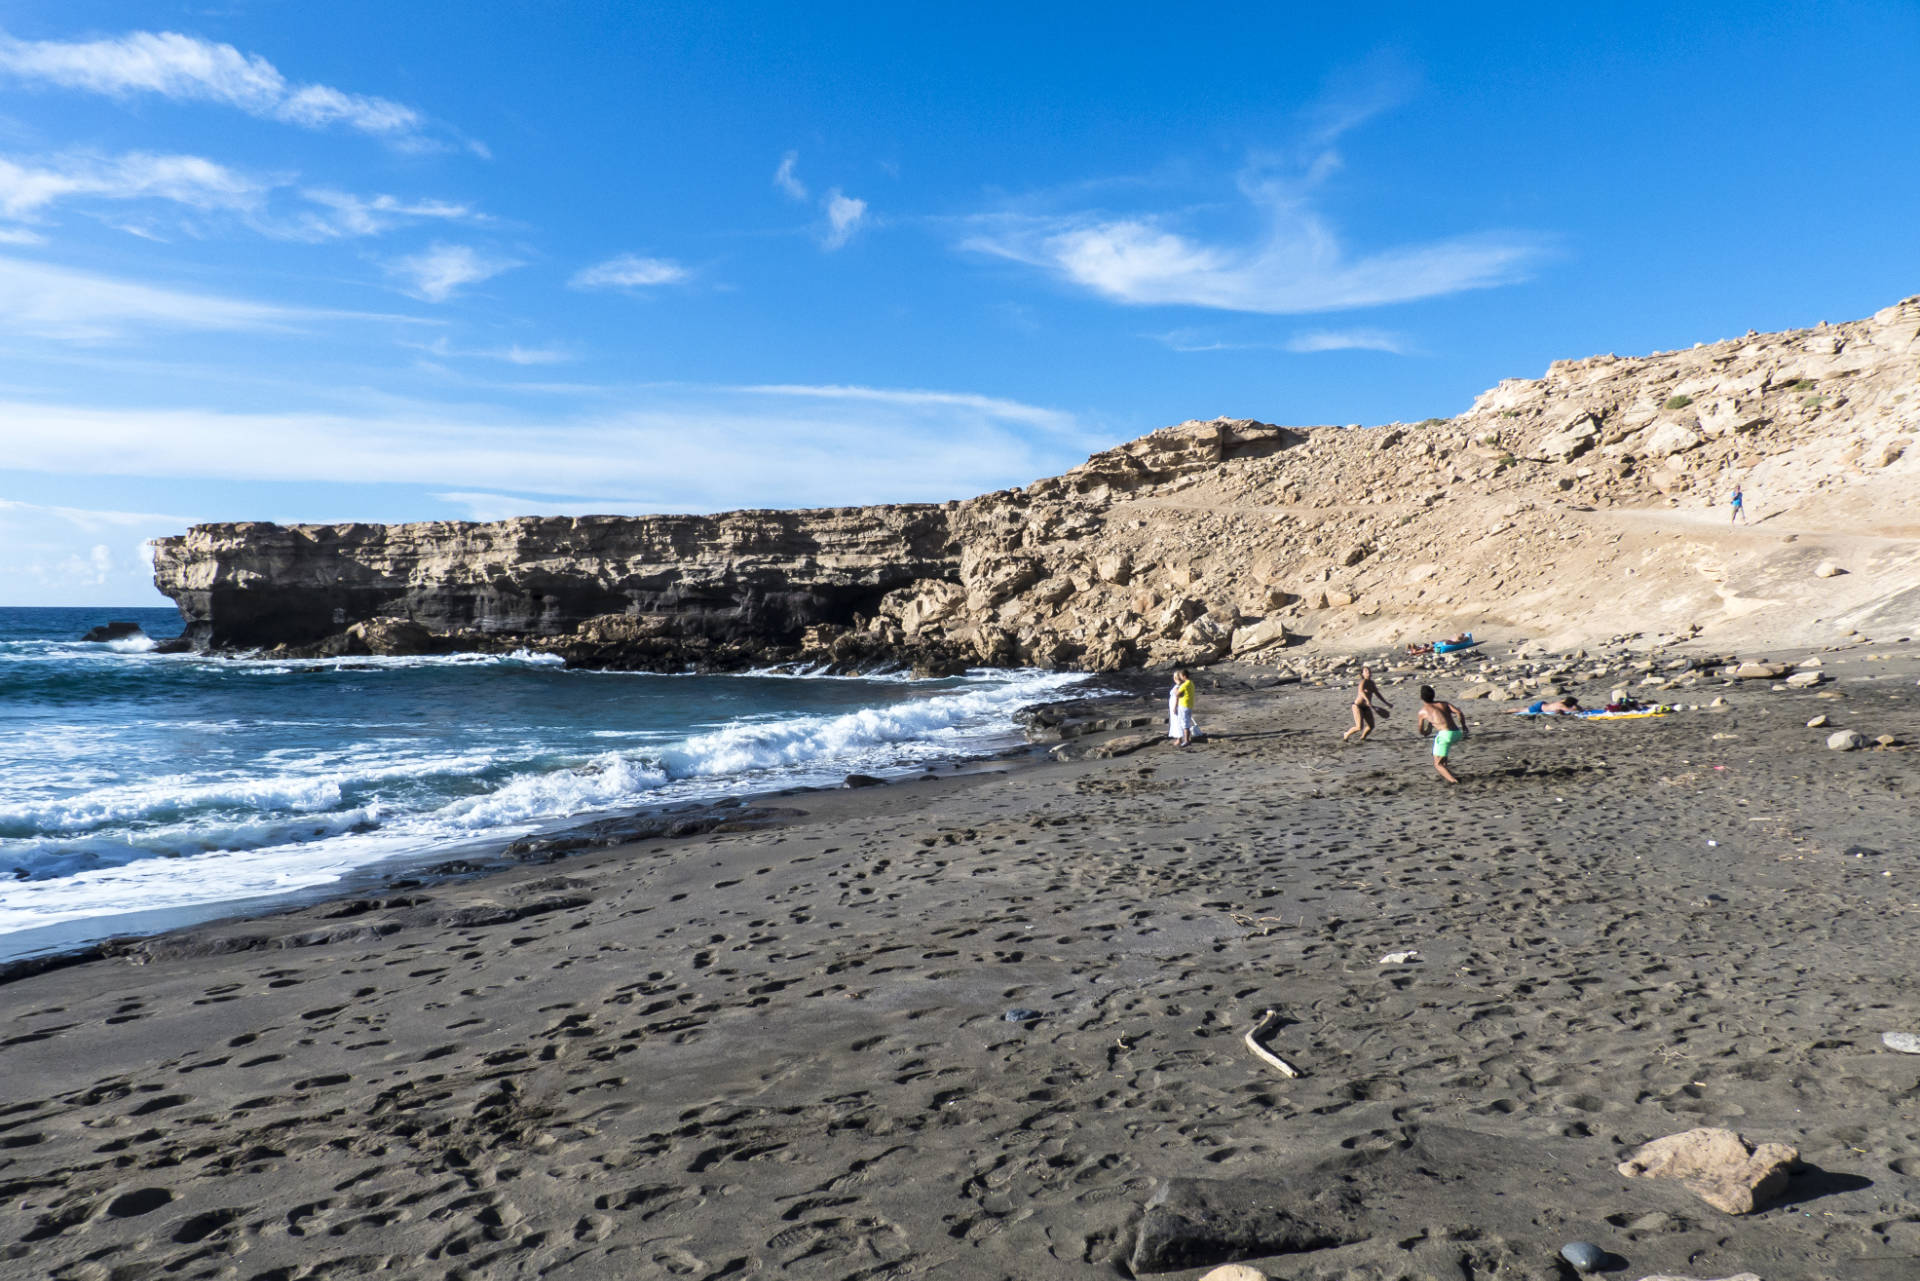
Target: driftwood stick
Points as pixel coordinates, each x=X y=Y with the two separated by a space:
x=1252 y=1038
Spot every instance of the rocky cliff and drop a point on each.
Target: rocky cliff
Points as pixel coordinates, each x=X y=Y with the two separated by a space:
x=651 y=591
x=1587 y=503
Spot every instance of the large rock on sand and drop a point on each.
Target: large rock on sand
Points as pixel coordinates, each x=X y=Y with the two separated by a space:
x=1191 y=1223
x=1718 y=1166
x=1846 y=740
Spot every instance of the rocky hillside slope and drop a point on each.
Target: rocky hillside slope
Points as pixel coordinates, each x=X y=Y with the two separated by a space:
x=1586 y=504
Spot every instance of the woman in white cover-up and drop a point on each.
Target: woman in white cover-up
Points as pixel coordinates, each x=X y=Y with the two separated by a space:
x=1180 y=727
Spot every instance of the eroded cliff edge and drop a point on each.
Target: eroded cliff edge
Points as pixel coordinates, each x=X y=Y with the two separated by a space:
x=1586 y=503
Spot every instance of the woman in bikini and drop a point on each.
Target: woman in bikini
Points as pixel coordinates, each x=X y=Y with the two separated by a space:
x=1363 y=701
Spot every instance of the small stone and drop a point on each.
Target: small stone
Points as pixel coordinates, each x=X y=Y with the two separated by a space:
x=1804 y=680
x=1235 y=1272
x=1020 y=1014
x=1827 y=569
x=1887 y=740
x=1846 y=740
x=1818 y=722
x=863 y=780
x=1905 y=1042
x=1583 y=1255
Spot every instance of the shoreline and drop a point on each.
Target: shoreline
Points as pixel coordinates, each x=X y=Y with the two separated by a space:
x=483 y=857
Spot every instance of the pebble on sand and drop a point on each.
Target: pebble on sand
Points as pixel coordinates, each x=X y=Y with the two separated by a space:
x=1905 y=1042
x=1818 y=722
x=1235 y=1272
x=1846 y=740
x=1583 y=1255
x=1020 y=1014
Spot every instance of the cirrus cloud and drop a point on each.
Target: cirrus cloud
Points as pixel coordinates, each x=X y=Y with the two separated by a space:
x=186 y=68
x=630 y=271
x=443 y=270
x=43 y=301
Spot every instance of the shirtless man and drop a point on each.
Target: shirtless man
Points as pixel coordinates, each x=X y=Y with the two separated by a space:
x=1447 y=724
x=1363 y=701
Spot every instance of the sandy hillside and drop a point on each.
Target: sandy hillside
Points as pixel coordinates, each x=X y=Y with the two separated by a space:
x=1581 y=505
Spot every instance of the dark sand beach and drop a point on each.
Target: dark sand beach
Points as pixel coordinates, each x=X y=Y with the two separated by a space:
x=799 y=1051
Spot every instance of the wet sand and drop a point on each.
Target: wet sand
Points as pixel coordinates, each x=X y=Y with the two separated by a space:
x=786 y=1051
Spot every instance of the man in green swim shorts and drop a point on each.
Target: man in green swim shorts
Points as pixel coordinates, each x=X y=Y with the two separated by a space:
x=1447 y=724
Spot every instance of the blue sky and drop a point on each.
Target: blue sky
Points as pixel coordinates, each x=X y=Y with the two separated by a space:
x=374 y=261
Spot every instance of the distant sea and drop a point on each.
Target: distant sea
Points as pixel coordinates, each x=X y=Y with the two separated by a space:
x=140 y=791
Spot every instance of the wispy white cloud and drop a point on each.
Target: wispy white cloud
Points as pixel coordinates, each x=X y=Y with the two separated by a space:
x=845 y=215
x=909 y=398
x=21 y=236
x=512 y=353
x=442 y=270
x=88 y=519
x=188 y=69
x=1284 y=256
x=1314 y=340
x=55 y=302
x=30 y=188
x=673 y=449
x=1296 y=266
x=343 y=214
x=630 y=271
x=787 y=180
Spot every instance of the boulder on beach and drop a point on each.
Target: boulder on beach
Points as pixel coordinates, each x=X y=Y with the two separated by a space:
x=1192 y=1223
x=1718 y=1166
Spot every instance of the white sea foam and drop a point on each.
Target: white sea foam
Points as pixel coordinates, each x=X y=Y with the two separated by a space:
x=312 y=785
x=303 y=824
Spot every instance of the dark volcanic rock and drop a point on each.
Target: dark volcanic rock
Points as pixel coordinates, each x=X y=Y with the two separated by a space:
x=119 y=629
x=1195 y=1223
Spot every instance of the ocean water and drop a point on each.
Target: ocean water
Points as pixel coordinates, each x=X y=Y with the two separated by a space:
x=141 y=790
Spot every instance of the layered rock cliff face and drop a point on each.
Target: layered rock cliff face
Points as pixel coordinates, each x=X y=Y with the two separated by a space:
x=654 y=591
x=1587 y=503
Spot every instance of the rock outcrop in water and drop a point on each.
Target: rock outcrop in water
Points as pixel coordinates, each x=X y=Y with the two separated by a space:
x=1585 y=503
x=118 y=629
